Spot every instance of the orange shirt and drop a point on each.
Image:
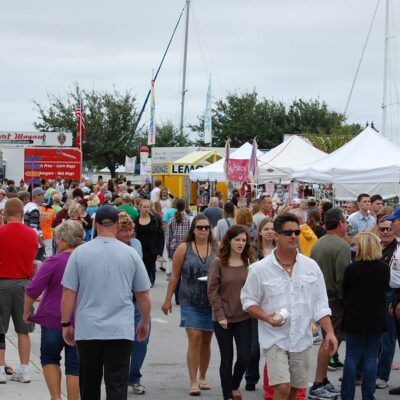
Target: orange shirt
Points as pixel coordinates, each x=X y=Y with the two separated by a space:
x=47 y=216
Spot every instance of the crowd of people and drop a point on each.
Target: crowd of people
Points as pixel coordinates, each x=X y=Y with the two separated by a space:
x=267 y=278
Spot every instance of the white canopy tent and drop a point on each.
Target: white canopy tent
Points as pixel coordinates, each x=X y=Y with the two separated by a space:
x=369 y=163
x=215 y=171
x=277 y=163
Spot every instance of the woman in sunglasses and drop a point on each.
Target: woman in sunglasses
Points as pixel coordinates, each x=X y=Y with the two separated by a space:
x=227 y=276
x=190 y=264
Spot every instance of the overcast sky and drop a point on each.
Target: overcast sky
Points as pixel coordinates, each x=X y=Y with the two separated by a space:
x=285 y=49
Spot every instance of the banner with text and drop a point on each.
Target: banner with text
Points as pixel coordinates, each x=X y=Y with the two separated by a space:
x=238 y=170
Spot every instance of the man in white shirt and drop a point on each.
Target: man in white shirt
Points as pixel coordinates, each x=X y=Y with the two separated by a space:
x=287 y=280
x=3 y=199
x=155 y=193
x=362 y=220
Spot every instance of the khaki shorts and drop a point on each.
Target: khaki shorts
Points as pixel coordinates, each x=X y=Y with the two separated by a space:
x=12 y=293
x=286 y=367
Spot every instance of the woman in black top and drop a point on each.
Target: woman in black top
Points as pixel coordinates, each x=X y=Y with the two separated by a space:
x=149 y=231
x=364 y=285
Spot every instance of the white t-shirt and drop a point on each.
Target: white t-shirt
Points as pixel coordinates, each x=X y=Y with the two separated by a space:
x=155 y=194
x=395 y=267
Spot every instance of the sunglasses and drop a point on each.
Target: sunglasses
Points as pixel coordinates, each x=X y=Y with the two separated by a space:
x=388 y=229
x=203 y=227
x=289 y=232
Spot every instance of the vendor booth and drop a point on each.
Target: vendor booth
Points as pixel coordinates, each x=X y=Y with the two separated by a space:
x=369 y=163
x=175 y=175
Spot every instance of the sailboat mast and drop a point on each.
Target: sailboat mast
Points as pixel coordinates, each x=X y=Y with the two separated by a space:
x=184 y=68
x=385 y=70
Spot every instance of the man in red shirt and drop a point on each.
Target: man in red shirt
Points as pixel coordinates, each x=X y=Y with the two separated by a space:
x=18 y=249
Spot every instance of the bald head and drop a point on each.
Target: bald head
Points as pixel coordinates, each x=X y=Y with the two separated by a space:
x=14 y=210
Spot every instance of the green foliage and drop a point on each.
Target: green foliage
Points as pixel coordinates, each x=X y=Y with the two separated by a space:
x=110 y=119
x=242 y=117
x=331 y=142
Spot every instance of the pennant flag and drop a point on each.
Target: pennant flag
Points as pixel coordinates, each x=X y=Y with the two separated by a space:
x=227 y=152
x=151 y=138
x=130 y=164
x=208 y=117
x=253 y=164
x=80 y=125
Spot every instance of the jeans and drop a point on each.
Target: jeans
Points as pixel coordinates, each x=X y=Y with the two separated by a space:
x=113 y=356
x=388 y=343
x=253 y=367
x=139 y=350
x=241 y=332
x=357 y=346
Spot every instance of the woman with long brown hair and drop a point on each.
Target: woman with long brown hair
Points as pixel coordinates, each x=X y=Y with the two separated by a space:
x=191 y=263
x=227 y=277
x=265 y=238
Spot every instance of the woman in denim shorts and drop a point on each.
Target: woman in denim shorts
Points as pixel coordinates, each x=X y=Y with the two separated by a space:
x=47 y=280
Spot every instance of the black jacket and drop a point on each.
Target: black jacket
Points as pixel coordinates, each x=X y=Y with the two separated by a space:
x=364 y=287
x=152 y=240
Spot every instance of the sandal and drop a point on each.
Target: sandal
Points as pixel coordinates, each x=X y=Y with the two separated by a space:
x=194 y=392
x=8 y=370
x=204 y=386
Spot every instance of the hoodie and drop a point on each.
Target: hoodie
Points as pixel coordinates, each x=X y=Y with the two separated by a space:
x=307 y=240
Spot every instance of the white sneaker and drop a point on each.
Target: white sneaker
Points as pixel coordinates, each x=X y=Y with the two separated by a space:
x=381 y=384
x=3 y=378
x=21 y=377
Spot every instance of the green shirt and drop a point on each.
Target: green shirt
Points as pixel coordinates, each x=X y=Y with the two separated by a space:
x=131 y=211
x=333 y=255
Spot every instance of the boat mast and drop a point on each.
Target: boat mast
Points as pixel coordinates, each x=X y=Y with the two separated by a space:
x=385 y=70
x=184 y=68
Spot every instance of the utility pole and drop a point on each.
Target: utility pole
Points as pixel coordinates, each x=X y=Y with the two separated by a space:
x=184 y=69
x=385 y=72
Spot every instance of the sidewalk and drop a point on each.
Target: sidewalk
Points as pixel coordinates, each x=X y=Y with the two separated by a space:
x=37 y=389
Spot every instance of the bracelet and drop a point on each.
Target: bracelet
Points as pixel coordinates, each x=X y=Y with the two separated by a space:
x=65 y=324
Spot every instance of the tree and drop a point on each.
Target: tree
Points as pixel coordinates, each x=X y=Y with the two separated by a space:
x=242 y=117
x=109 y=119
x=167 y=135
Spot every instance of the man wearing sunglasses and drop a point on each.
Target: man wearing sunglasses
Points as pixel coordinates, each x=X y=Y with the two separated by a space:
x=287 y=280
x=332 y=254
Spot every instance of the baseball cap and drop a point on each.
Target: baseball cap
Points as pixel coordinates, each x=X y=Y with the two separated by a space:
x=37 y=191
x=106 y=215
x=395 y=215
x=296 y=200
x=46 y=201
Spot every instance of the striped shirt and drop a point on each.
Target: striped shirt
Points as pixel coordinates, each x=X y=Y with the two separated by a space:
x=177 y=232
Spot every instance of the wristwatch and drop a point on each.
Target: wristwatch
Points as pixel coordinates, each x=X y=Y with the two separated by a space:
x=65 y=324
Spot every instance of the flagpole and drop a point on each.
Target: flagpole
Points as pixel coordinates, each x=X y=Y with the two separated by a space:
x=80 y=133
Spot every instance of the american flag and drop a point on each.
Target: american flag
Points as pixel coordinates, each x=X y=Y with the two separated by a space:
x=80 y=124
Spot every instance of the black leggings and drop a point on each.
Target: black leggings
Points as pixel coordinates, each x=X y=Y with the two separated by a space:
x=241 y=332
x=2 y=341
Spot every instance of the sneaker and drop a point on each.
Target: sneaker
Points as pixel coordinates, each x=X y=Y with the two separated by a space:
x=321 y=392
x=3 y=378
x=137 y=388
x=20 y=377
x=250 y=387
x=332 y=388
x=338 y=364
x=332 y=365
x=317 y=339
x=381 y=384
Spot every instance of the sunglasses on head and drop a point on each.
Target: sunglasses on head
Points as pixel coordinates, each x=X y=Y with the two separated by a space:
x=203 y=227
x=387 y=229
x=290 y=232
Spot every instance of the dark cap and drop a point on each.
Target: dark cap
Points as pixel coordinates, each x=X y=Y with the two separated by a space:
x=229 y=207
x=106 y=215
x=395 y=215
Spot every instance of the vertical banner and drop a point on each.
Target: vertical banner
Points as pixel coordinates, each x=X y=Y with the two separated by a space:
x=130 y=164
x=208 y=117
x=253 y=164
x=227 y=155
x=151 y=139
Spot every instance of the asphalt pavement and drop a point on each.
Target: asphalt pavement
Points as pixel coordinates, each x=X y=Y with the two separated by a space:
x=164 y=371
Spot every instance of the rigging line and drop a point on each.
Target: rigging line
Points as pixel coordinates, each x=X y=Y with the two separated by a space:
x=159 y=67
x=361 y=58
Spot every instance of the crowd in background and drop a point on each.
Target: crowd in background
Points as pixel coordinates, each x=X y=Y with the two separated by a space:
x=209 y=260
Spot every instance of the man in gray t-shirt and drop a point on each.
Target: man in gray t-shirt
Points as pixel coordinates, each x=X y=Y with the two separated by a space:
x=99 y=281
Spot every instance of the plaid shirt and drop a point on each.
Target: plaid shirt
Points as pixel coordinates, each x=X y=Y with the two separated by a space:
x=176 y=233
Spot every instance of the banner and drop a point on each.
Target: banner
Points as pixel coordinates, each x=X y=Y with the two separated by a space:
x=238 y=170
x=50 y=163
x=208 y=117
x=30 y=139
x=151 y=139
x=130 y=164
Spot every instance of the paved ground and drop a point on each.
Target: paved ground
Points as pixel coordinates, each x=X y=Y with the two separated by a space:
x=164 y=372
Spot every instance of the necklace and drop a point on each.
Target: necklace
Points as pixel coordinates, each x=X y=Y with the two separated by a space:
x=286 y=267
x=198 y=254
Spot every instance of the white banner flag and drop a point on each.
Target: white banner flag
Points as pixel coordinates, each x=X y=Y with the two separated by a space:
x=130 y=164
x=151 y=139
x=208 y=117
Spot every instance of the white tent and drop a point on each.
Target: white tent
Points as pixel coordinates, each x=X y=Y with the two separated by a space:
x=277 y=163
x=369 y=163
x=215 y=172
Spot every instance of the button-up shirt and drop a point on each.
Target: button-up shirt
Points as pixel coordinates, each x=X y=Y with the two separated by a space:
x=395 y=267
x=303 y=294
x=359 y=223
